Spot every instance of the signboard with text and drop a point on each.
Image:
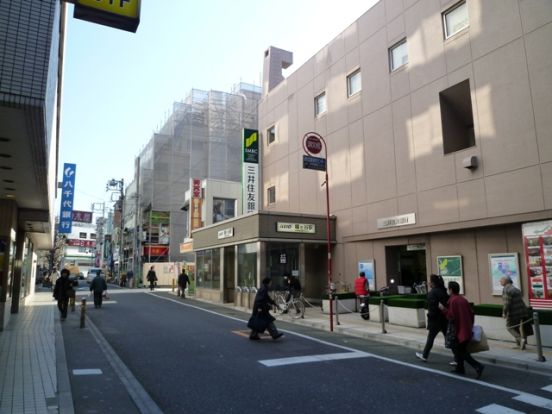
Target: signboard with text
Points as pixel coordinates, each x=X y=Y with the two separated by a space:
x=120 y=14
x=250 y=170
x=81 y=243
x=67 y=196
x=82 y=216
x=295 y=228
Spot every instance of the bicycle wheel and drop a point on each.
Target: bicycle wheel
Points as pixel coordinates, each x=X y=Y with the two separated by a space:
x=280 y=304
x=297 y=309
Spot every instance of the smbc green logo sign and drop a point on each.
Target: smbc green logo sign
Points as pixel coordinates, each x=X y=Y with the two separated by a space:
x=251 y=146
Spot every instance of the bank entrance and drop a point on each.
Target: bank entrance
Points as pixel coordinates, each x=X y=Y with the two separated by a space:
x=406 y=266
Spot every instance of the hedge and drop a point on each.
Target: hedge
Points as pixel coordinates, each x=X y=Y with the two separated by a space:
x=412 y=303
x=545 y=316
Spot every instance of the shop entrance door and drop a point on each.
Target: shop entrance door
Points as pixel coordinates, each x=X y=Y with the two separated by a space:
x=406 y=267
x=229 y=274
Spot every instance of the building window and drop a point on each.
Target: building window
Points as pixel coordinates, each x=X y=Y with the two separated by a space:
x=457 y=117
x=82 y=235
x=271 y=135
x=208 y=268
x=93 y=236
x=398 y=55
x=455 y=19
x=320 y=104
x=223 y=209
x=271 y=195
x=354 y=84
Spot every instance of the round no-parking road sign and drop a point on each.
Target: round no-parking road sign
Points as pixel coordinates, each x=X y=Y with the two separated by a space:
x=312 y=143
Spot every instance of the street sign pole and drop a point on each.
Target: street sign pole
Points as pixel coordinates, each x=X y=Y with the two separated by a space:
x=312 y=145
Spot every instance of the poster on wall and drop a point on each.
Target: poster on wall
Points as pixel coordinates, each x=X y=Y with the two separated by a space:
x=503 y=265
x=450 y=268
x=367 y=266
x=537 y=243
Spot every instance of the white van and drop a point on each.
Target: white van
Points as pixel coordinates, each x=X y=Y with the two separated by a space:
x=92 y=274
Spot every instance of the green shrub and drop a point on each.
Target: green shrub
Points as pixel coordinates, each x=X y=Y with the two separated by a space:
x=487 y=309
x=412 y=303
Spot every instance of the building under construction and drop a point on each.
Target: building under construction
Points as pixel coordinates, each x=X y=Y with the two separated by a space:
x=200 y=139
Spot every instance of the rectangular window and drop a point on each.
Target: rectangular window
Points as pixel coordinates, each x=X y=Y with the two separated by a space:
x=223 y=209
x=320 y=104
x=354 y=83
x=93 y=236
x=455 y=19
x=398 y=55
x=271 y=195
x=82 y=235
x=457 y=117
x=271 y=135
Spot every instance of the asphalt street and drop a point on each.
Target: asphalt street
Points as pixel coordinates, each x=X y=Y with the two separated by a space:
x=195 y=357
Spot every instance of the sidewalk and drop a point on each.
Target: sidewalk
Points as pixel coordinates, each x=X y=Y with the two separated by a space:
x=33 y=373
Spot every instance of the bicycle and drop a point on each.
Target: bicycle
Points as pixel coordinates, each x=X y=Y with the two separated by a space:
x=295 y=307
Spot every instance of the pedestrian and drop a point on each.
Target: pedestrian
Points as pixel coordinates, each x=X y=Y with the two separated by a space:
x=63 y=290
x=436 y=321
x=98 y=286
x=130 y=277
x=515 y=312
x=123 y=279
x=460 y=317
x=151 y=278
x=261 y=319
x=183 y=281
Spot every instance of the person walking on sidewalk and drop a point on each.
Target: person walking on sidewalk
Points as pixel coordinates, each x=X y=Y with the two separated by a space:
x=436 y=321
x=183 y=281
x=460 y=316
x=515 y=312
x=63 y=290
x=98 y=286
x=151 y=278
x=261 y=319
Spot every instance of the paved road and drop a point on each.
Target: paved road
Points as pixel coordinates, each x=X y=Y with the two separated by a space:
x=195 y=357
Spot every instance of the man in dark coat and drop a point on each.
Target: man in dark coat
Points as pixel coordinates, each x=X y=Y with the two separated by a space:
x=63 y=291
x=515 y=312
x=98 y=286
x=261 y=319
x=460 y=315
x=436 y=321
x=152 y=278
x=183 y=281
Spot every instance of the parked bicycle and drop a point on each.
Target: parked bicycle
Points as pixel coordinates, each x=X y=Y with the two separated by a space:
x=295 y=307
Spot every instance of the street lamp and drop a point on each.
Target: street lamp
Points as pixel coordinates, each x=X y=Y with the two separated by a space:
x=119 y=186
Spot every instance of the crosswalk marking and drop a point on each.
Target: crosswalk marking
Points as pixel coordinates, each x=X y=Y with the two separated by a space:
x=312 y=358
x=534 y=400
x=547 y=388
x=497 y=409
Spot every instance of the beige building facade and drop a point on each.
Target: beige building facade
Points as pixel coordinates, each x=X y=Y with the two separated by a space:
x=438 y=121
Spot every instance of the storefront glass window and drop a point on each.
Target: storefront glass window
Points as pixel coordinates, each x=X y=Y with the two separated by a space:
x=208 y=268
x=281 y=259
x=247 y=265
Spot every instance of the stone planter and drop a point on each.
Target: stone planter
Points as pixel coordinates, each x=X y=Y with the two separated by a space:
x=414 y=317
x=345 y=306
x=495 y=328
x=375 y=314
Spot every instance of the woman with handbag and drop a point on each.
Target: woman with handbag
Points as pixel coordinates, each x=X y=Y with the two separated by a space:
x=460 y=316
x=261 y=319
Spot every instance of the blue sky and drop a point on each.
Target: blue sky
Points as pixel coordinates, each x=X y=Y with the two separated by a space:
x=120 y=86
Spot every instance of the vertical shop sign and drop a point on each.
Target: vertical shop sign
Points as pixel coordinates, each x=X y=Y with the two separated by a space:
x=67 y=195
x=195 y=205
x=250 y=170
x=537 y=243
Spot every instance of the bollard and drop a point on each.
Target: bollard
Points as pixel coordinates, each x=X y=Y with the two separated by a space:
x=173 y=285
x=382 y=316
x=72 y=302
x=540 y=356
x=83 y=312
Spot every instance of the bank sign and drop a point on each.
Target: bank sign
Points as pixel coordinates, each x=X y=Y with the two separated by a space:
x=250 y=171
x=67 y=196
x=120 y=14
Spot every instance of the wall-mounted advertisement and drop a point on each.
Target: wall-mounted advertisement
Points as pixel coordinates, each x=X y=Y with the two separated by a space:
x=157 y=226
x=250 y=170
x=503 y=265
x=450 y=268
x=67 y=195
x=367 y=266
x=537 y=242
x=195 y=206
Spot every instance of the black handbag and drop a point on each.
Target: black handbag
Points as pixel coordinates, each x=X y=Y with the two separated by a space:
x=450 y=338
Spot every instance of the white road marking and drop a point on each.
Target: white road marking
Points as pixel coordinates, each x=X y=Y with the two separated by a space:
x=91 y=371
x=534 y=400
x=547 y=388
x=497 y=409
x=521 y=395
x=312 y=358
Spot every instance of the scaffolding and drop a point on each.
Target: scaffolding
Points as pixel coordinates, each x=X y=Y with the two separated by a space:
x=200 y=139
